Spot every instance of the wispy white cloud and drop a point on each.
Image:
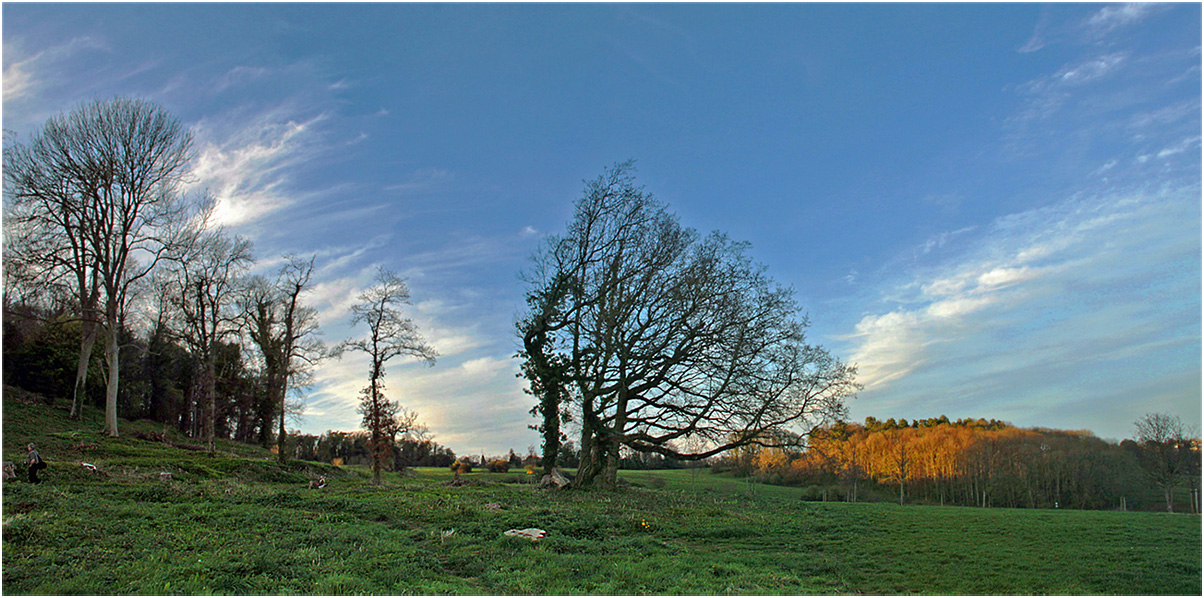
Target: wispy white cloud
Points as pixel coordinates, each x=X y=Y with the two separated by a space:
x=1112 y=17
x=1045 y=263
x=1097 y=27
x=1158 y=119
x=1087 y=71
x=18 y=77
x=1171 y=150
x=1109 y=165
x=1038 y=39
x=1045 y=96
x=1182 y=146
x=25 y=76
x=245 y=162
x=1105 y=101
x=938 y=241
x=239 y=75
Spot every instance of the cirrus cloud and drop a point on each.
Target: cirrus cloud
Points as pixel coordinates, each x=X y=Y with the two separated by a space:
x=1053 y=297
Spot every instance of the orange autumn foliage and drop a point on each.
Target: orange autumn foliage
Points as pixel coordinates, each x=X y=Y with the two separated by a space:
x=974 y=462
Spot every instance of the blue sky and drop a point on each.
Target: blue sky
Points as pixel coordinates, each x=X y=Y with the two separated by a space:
x=994 y=210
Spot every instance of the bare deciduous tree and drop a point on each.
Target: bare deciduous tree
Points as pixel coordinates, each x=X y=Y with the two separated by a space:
x=669 y=335
x=1164 y=451
x=203 y=292
x=108 y=175
x=45 y=232
x=390 y=335
x=285 y=330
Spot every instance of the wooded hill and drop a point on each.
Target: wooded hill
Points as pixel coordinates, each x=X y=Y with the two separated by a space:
x=986 y=463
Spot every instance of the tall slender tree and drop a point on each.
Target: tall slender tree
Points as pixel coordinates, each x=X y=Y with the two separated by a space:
x=390 y=335
x=112 y=171
x=286 y=332
x=46 y=228
x=203 y=291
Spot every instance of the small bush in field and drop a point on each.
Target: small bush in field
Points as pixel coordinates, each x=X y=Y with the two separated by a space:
x=499 y=466
x=461 y=467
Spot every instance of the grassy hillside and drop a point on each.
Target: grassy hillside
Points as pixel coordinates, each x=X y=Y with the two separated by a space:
x=134 y=456
x=239 y=524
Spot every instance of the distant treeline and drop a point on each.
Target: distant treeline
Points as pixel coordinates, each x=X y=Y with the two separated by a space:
x=979 y=462
x=352 y=448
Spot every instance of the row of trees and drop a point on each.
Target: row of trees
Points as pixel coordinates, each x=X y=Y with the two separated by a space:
x=413 y=449
x=160 y=378
x=98 y=230
x=653 y=338
x=100 y=236
x=94 y=205
x=981 y=463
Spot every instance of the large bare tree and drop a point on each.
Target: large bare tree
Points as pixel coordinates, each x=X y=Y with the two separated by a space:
x=46 y=224
x=390 y=335
x=203 y=292
x=670 y=336
x=108 y=177
x=286 y=332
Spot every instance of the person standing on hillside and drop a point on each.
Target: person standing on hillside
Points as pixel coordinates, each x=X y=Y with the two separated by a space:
x=35 y=464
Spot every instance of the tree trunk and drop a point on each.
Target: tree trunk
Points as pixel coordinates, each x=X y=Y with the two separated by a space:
x=613 y=446
x=610 y=472
x=551 y=424
x=264 y=421
x=281 y=437
x=111 y=359
x=591 y=464
x=209 y=385
x=378 y=440
x=87 y=340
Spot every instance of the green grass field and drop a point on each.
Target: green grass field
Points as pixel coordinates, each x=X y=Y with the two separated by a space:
x=241 y=525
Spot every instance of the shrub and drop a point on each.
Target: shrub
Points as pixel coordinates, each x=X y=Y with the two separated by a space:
x=461 y=466
x=499 y=466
